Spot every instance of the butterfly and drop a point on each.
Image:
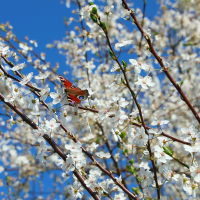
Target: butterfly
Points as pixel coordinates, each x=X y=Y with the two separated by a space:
x=74 y=94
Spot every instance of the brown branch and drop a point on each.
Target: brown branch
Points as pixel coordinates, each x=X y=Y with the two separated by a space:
x=166 y=135
x=140 y=113
x=159 y=59
x=113 y=158
x=12 y=77
x=51 y=142
x=12 y=65
x=59 y=151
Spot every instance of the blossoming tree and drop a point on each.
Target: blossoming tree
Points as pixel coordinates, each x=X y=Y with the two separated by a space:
x=136 y=136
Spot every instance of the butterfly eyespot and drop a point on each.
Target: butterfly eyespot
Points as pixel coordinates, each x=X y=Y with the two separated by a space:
x=81 y=97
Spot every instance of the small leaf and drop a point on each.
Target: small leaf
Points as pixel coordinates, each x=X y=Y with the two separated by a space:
x=124 y=64
x=133 y=93
x=122 y=135
x=168 y=151
x=131 y=161
x=125 y=151
x=91 y=3
x=136 y=190
x=112 y=55
x=103 y=26
x=94 y=11
x=181 y=82
x=122 y=80
x=93 y=17
x=119 y=145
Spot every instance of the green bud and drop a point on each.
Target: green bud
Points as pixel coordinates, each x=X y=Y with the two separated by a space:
x=133 y=93
x=112 y=55
x=94 y=11
x=138 y=119
x=98 y=140
x=91 y=3
x=122 y=135
x=136 y=190
x=181 y=82
x=122 y=80
x=168 y=151
x=124 y=151
x=124 y=64
x=103 y=26
x=187 y=44
x=119 y=145
x=131 y=161
x=93 y=17
x=139 y=179
x=130 y=169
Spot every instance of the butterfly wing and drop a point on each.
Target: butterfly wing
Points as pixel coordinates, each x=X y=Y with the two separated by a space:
x=80 y=94
x=74 y=93
x=72 y=99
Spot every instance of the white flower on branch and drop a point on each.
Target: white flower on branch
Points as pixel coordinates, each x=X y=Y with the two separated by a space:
x=33 y=103
x=52 y=124
x=101 y=154
x=85 y=12
x=42 y=76
x=18 y=67
x=140 y=138
x=41 y=152
x=59 y=97
x=44 y=93
x=5 y=51
x=122 y=43
x=138 y=66
x=74 y=146
x=159 y=122
x=145 y=82
x=26 y=79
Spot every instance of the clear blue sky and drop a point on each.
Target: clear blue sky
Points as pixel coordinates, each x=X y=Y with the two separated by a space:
x=43 y=21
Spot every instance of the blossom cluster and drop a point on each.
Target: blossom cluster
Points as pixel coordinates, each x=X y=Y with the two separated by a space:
x=138 y=128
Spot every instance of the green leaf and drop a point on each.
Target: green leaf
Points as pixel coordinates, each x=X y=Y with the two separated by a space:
x=122 y=80
x=139 y=179
x=168 y=151
x=98 y=140
x=112 y=55
x=131 y=169
x=122 y=135
x=131 y=161
x=124 y=64
x=94 y=11
x=187 y=44
x=125 y=151
x=119 y=145
x=103 y=26
x=181 y=82
x=136 y=190
x=91 y=3
x=138 y=119
x=133 y=93
x=93 y=17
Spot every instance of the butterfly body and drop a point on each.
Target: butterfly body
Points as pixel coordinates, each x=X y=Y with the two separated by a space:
x=75 y=94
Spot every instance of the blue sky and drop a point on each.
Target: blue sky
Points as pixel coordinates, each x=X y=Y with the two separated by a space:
x=43 y=21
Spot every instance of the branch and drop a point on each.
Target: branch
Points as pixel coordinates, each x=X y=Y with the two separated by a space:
x=159 y=59
x=52 y=143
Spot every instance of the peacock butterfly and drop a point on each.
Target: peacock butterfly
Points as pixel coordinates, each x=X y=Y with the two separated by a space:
x=74 y=94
